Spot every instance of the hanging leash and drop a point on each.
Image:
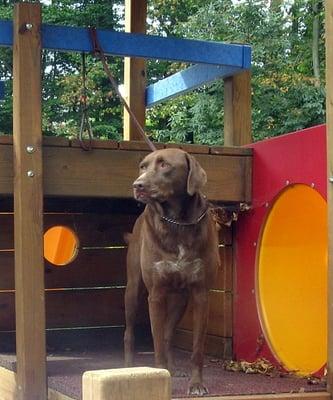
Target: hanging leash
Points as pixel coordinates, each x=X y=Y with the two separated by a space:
x=98 y=52
x=85 y=121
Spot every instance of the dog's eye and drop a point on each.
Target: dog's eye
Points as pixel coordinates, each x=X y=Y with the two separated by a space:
x=164 y=164
x=143 y=167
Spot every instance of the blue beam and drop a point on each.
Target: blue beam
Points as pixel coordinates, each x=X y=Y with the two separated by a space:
x=123 y=44
x=185 y=81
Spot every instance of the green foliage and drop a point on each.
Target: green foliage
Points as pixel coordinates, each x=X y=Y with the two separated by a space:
x=286 y=95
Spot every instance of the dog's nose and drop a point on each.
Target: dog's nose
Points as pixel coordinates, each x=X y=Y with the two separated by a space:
x=138 y=184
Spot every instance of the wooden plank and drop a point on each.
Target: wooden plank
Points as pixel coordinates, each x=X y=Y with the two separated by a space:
x=96 y=144
x=6 y=169
x=138 y=145
x=100 y=173
x=137 y=383
x=219 y=318
x=98 y=268
x=214 y=346
x=237 y=110
x=28 y=203
x=91 y=268
x=135 y=71
x=190 y=148
x=329 y=130
x=66 y=38
x=56 y=141
x=6 y=139
x=282 y=396
x=185 y=81
x=92 y=230
x=8 y=387
x=73 y=308
x=236 y=151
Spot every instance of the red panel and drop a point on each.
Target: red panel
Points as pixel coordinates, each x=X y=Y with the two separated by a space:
x=298 y=157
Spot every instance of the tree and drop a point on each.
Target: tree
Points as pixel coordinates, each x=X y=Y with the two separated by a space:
x=287 y=42
x=287 y=38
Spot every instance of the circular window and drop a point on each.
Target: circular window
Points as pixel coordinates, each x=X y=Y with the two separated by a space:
x=60 y=245
x=292 y=279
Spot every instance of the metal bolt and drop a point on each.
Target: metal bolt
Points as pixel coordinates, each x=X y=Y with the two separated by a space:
x=313 y=185
x=254 y=244
x=330 y=179
x=30 y=149
x=287 y=182
x=28 y=26
x=30 y=174
x=266 y=204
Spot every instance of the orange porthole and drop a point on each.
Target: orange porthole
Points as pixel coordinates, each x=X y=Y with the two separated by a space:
x=292 y=279
x=60 y=245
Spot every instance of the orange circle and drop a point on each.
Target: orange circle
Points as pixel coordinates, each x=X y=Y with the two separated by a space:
x=292 y=279
x=60 y=245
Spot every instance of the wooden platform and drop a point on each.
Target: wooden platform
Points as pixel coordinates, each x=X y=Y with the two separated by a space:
x=109 y=169
x=70 y=355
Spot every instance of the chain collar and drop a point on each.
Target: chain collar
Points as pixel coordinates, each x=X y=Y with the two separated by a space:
x=174 y=222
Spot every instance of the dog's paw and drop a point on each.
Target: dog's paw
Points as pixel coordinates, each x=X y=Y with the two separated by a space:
x=197 y=389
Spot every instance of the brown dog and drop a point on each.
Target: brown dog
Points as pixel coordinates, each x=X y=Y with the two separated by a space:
x=173 y=250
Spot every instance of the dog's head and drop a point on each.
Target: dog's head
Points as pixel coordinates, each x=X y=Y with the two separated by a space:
x=168 y=173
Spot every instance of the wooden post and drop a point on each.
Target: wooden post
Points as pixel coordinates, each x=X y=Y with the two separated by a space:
x=135 y=70
x=329 y=130
x=141 y=383
x=237 y=110
x=28 y=204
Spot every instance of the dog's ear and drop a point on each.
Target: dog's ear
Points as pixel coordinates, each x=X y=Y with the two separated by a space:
x=197 y=177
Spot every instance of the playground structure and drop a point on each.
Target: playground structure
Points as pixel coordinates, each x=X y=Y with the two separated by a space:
x=51 y=174
x=71 y=186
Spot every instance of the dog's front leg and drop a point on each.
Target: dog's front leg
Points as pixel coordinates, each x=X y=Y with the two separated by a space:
x=157 y=312
x=200 y=317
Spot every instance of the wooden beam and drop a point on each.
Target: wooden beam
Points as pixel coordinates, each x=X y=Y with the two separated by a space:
x=237 y=110
x=282 y=396
x=110 y=173
x=123 y=44
x=185 y=81
x=28 y=204
x=329 y=127
x=135 y=71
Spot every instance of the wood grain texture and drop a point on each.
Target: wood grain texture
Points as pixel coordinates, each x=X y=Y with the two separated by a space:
x=282 y=396
x=135 y=71
x=110 y=173
x=329 y=127
x=91 y=229
x=28 y=204
x=77 y=308
x=237 y=110
x=91 y=268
